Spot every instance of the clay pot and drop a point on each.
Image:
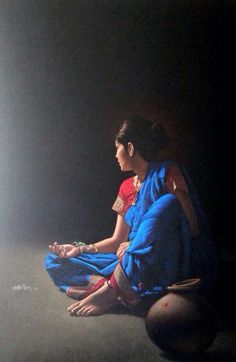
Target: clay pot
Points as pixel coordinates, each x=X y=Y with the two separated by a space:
x=182 y=321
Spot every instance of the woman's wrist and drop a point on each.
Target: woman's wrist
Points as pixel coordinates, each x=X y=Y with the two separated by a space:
x=93 y=248
x=85 y=248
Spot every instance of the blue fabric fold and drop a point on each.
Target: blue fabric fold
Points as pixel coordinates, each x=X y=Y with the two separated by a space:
x=78 y=270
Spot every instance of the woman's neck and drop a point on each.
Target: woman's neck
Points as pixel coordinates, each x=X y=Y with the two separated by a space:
x=141 y=169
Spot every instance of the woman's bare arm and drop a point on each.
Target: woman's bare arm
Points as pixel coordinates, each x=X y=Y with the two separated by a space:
x=176 y=184
x=109 y=245
x=121 y=232
x=189 y=211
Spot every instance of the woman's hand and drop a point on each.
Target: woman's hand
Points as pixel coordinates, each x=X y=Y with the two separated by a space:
x=122 y=248
x=64 y=250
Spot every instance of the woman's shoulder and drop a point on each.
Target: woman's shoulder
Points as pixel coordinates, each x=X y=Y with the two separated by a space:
x=125 y=196
x=167 y=170
x=162 y=167
x=127 y=186
x=168 y=165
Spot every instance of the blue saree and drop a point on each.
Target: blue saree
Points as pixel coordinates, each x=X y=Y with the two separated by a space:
x=161 y=251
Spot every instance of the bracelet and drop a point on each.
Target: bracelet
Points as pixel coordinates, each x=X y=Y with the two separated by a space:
x=78 y=243
x=85 y=247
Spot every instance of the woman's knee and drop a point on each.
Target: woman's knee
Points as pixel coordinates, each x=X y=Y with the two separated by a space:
x=166 y=206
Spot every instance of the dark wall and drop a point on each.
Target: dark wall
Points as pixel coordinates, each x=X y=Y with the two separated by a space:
x=72 y=70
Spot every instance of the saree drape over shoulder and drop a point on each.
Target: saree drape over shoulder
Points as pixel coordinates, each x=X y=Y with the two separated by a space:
x=162 y=248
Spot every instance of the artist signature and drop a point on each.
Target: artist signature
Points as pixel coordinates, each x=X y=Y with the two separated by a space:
x=24 y=287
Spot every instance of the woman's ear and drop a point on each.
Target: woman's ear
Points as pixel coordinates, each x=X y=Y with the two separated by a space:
x=131 y=149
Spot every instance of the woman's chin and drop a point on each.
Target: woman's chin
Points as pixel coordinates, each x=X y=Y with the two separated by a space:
x=124 y=168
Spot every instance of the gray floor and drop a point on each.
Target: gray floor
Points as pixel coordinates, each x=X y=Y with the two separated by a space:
x=36 y=327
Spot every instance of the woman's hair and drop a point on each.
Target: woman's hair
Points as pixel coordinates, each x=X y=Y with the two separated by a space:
x=148 y=137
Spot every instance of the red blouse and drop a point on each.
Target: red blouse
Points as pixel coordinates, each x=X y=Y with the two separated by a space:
x=126 y=196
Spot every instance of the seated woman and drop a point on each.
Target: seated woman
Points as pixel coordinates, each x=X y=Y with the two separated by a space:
x=161 y=234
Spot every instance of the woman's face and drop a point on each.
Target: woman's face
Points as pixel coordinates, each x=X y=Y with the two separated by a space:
x=123 y=157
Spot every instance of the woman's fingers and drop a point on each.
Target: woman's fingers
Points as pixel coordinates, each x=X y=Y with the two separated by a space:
x=65 y=250
x=53 y=247
x=121 y=249
x=58 y=249
x=73 y=252
x=119 y=254
x=62 y=253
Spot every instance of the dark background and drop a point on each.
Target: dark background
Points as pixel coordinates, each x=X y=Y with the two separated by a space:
x=70 y=71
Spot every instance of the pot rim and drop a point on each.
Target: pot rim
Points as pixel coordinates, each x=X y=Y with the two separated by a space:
x=185 y=285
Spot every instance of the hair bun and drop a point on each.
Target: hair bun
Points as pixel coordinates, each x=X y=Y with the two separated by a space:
x=147 y=137
x=158 y=135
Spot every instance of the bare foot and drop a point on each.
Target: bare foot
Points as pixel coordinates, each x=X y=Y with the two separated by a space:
x=95 y=304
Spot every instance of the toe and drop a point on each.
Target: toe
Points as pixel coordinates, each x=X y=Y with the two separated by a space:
x=77 y=308
x=89 y=312
x=84 y=312
x=72 y=306
x=80 y=311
